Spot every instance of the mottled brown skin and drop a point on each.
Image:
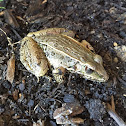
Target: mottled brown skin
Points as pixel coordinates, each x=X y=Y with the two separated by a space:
x=61 y=50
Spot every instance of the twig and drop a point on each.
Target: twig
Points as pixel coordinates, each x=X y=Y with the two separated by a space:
x=8 y=39
x=15 y=32
x=118 y=120
x=112 y=103
x=122 y=81
x=113 y=114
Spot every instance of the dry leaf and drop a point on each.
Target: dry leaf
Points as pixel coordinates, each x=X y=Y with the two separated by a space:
x=10 y=69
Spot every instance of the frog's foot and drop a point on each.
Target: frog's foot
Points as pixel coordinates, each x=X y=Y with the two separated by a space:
x=84 y=43
x=58 y=74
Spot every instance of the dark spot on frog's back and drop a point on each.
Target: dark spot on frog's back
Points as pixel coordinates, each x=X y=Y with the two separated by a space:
x=52 y=53
x=34 y=36
x=23 y=43
x=47 y=54
x=38 y=64
x=69 y=60
x=82 y=59
x=55 y=45
x=61 y=57
x=66 y=49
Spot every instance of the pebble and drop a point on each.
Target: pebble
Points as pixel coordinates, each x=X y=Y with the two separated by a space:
x=6 y=84
x=21 y=87
x=30 y=103
x=116 y=60
x=68 y=98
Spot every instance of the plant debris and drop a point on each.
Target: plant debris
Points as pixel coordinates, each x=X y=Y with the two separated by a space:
x=121 y=52
x=64 y=115
x=10 y=69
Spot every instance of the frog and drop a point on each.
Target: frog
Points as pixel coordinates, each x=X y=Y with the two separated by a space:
x=58 y=50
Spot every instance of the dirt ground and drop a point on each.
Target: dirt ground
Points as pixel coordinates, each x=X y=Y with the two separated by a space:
x=28 y=102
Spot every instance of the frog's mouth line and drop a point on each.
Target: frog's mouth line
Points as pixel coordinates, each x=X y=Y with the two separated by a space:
x=92 y=74
x=94 y=77
x=88 y=73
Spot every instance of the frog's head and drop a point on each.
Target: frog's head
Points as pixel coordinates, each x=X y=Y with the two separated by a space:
x=94 y=70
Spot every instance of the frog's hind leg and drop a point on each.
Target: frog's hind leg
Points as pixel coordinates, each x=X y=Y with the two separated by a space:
x=33 y=57
x=58 y=74
x=87 y=45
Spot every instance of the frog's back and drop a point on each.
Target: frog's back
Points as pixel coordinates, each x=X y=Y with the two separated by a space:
x=66 y=46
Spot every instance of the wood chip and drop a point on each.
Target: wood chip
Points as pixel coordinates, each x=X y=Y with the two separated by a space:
x=115 y=44
x=10 y=69
x=1 y=13
x=112 y=103
x=15 y=94
x=44 y=1
x=77 y=120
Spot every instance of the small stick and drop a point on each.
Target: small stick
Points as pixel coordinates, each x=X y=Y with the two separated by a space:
x=118 y=120
x=111 y=111
x=8 y=39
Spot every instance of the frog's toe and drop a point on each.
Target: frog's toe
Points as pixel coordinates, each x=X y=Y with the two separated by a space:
x=59 y=78
x=58 y=74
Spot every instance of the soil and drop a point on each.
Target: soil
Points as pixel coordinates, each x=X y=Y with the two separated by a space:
x=100 y=22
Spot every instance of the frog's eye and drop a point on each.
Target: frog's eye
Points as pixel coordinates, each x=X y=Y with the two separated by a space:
x=89 y=70
x=92 y=51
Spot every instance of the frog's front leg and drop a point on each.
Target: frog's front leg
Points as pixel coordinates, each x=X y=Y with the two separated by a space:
x=86 y=44
x=58 y=74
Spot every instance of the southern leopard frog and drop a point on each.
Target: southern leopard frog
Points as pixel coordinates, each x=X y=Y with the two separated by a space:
x=56 y=47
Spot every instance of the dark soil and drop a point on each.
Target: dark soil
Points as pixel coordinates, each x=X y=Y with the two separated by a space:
x=100 y=22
